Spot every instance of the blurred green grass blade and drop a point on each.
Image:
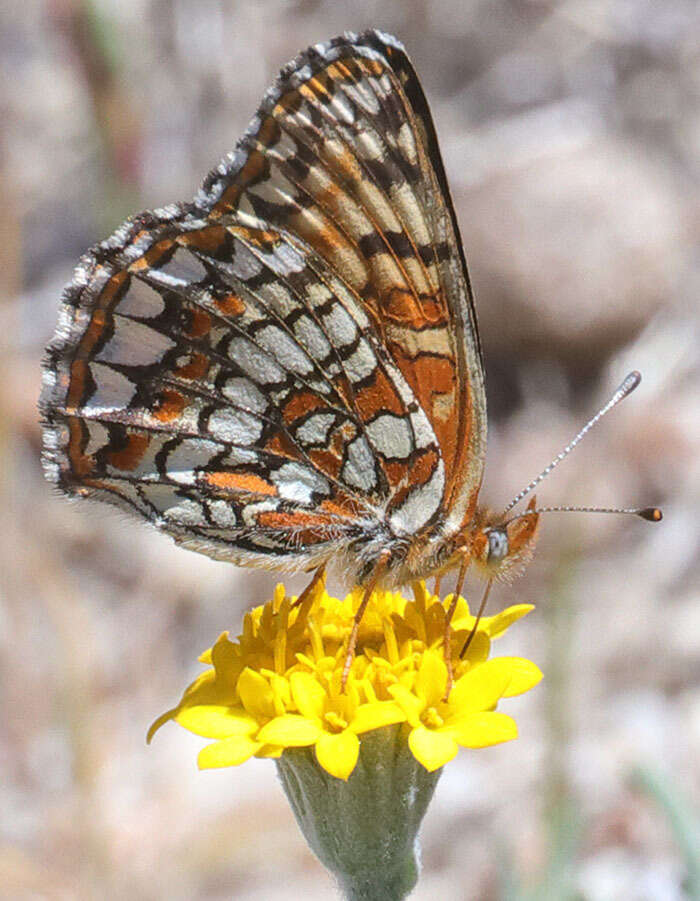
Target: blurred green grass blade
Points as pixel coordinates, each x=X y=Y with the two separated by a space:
x=682 y=820
x=557 y=881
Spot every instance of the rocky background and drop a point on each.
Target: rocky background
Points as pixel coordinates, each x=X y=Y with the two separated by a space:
x=570 y=133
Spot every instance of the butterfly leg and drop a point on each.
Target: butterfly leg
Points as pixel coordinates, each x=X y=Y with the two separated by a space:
x=319 y=574
x=352 y=642
x=447 y=639
x=482 y=605
x=436 y=588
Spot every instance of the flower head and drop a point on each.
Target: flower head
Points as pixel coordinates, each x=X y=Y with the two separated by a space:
x=279 y=685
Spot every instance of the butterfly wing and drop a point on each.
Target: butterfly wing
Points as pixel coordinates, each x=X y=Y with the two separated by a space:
x=222 y=381
x=344 y=153
x=240 y=370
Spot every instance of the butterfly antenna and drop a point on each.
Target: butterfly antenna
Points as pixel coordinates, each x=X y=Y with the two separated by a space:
x=651 y=514
x=627 y=387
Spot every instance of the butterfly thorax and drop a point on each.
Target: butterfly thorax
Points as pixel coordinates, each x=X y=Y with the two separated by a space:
x=497 y=549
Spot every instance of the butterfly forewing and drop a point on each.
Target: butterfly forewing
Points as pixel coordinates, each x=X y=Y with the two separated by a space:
x=289 y=364
x=344 y=153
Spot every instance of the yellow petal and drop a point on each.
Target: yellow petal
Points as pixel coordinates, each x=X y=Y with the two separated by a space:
x=432 y=749
x=291 y=731
x=161 y=721
x=409 y=703
x=376 y=715
x=525 y=675
x=203 y=679
x=256 y=694
x=229 y=752
x=497 y=625
x=431 y=680
x=206 y=690
x=480 y=688
x=482 y=729
x=281 y=693
x=223 y=654
x=308 y=694
x=208 y=655
x=479 y=647
x=338 y=753
x=270 y=751
x=213 y=721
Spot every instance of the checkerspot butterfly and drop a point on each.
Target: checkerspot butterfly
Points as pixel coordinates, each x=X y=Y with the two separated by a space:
x=286 y=370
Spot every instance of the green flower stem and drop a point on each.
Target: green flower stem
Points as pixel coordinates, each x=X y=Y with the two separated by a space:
x=363 y=830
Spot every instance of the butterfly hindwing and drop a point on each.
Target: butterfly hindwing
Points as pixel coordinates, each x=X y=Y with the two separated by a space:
x=229 y=388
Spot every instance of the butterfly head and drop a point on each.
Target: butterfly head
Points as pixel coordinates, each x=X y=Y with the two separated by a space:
x=501 y=548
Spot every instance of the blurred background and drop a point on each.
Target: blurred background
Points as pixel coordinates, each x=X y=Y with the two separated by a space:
x=570 y=133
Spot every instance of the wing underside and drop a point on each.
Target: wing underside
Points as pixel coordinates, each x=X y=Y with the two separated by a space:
x=287 y=364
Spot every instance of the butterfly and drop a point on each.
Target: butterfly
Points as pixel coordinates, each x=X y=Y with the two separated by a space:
x=286 y=371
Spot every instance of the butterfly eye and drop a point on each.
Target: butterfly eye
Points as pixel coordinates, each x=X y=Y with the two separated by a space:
x=498 y=545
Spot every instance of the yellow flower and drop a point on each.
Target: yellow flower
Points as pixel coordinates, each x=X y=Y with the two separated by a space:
x=330 y=722
x=466 y=717
x=279 y=685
